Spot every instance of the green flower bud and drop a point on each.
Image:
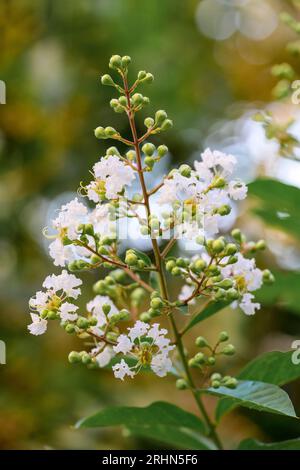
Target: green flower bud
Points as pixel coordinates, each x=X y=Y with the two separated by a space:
x=124 y=314
x=111 y=336
x=167 y=124
x=130 y=155
x=237 y=234
x=232 y=294
x=145 y=100
x=200 y=240
x=176 y=271
x=185 y=170
x=144 y=230
x=261 y=245
x=162 y=150
x=201 y=342
x=119 y=276
x=160 y=117
x=125 y=61
x=283 y=71
x=149 y=122
x=223 y=336
x=86 y=358
x=218 y=245
x=123 y=101
x=44 y=314
x=95 y=259
x=99 y=133
x=226 y=283
x=220 y=294
x=218 y=182
x=229 y=350
x=106 y=308
x=131 y=259
x=231 y=383
x=110 y=131
x=213 y=269
x=114 y=103
x=149 y=78
x=232 y=260
x=224 y=210
x=74 y=357
x=181 y=262
x=142 y=74
x=52 y=315
x=100 y=287
x=115 y=62
x=154 y=294
x=199 y=265
x=268 y=277
x=156 y=303
x=148 y=149
x=181 y=384
x=145 y=317
x=216 y=376
x=215 y=384
x=154 y=312
x=211 y=361
x=82 y=323
x=192 y=362
x=107 y=80
x=103 y=250
x=170 y=265
x=138 y=295
x=231 y=249
x=70 y=328
x=149 y=161
x=93 y=321
x=137 y=99
x=199 y=358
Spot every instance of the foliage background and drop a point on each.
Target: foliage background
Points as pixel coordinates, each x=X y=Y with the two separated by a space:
x=52 y=54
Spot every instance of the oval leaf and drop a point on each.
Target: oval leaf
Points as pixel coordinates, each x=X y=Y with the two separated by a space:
x=208 y=311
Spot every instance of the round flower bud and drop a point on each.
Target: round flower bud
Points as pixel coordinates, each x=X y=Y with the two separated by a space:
x=156 y=303
x=110 y=131
x=95 y=259
x=181 y=384
x=192 y=362
x=170 y=265
x=93 y=321
x=82 y=323
x=99 y=133
x=211 y=361
x=103 y=250
x=232 y=260
x=220 y=294
x=149 y=122
x=106 y=308
x=224 y=210
x=145 y=317
x=216 y=376
x=229 y=350
x=74 y=357
x=199 y=265
x=145 y=100
x=268 y=276
x=125 y=61
x=232 y=294
x=218 y=245
x=123 y=101
x=160 y=117
x=131 y=259
x=138 y=295
x=52 y=315
x=149 y=162
x=226 y=283
x=137 y=99
x=70 y=328
x=142 y=74
x=261 y=245
x=185 y=170
x=100 y=287
x=149 y=78
x=176 y=271
x=181 y=262
x=199 y=358
x=201 y=342
x=154 y=312
x=237 y=234
x=86 y=358
x=107 y=80
x=162 y=150
x=148 y=149
x=167 y=124
x=231 y=383
x=115 y=62
x=231 y=249
x=223 y=336
x=215 y=384
x=111 y=336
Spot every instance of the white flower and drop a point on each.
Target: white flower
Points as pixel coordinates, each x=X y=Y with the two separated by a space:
x=186 y=292
x=67 y=312
x=103 y=354
x=95 y=305
x=114 y=173
x=64 y=281
x=161 y=364
x=71 y=215
x=245 y=273
x=124 y=345
x=140 y=329
x=247 y=305
x=122 y=369
x=38 y=325
x=237 y=190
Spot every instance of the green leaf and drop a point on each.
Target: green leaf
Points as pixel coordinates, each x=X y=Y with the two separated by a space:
x=284 y=292
x=275 y=368
x=253 y=444
x=154 y=280
x=177 y=437
x=141 y=255
x=208 y=311
x=161 y=420
x=279 y=204
x=258 y=396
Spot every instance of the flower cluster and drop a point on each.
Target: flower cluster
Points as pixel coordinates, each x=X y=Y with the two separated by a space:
x=193 y=202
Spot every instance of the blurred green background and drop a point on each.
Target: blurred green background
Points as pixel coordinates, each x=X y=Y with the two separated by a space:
x=211 y=61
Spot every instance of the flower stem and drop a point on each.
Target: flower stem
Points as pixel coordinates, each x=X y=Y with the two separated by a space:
x=160 y=270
